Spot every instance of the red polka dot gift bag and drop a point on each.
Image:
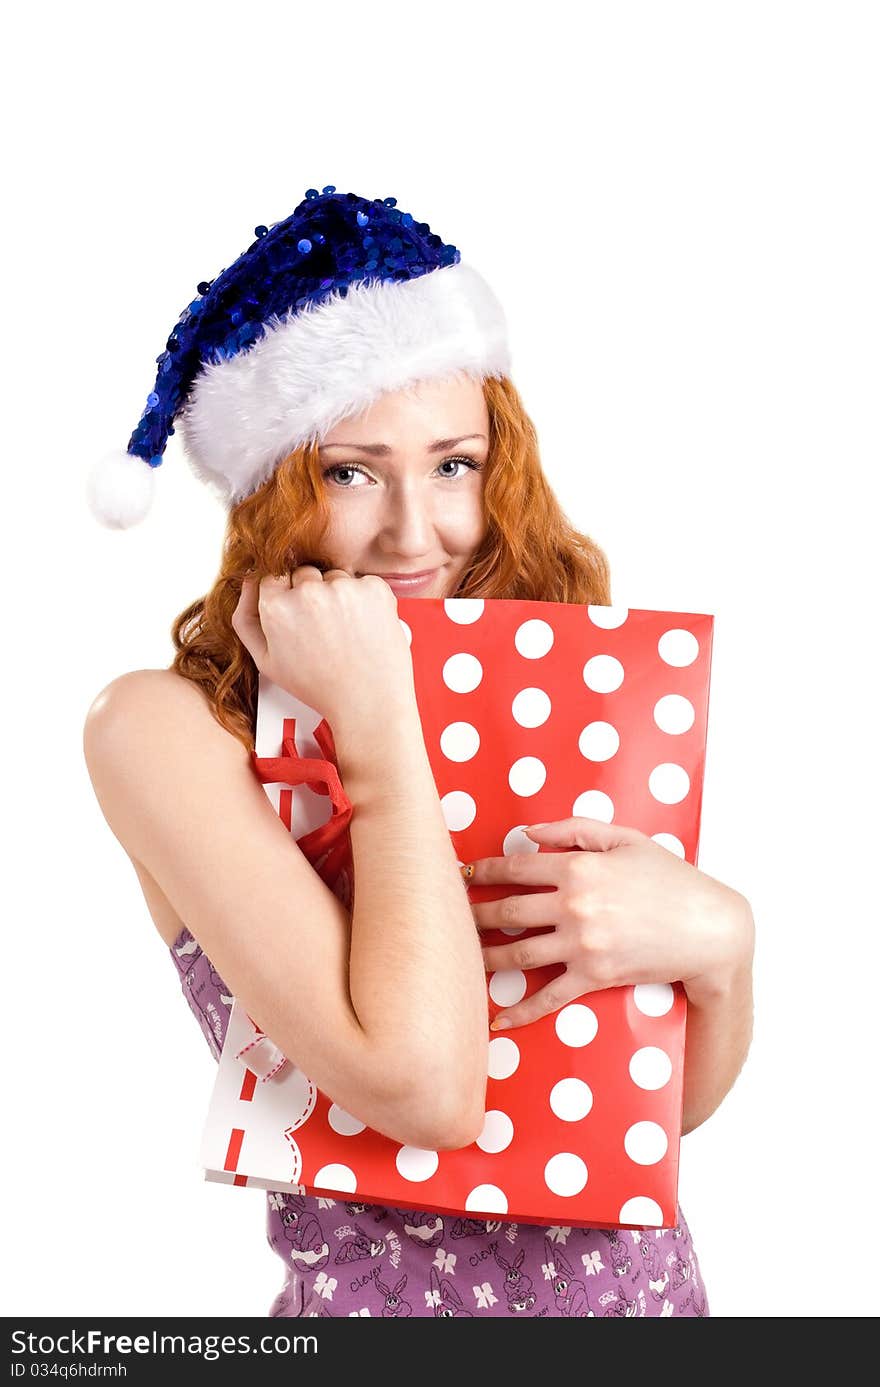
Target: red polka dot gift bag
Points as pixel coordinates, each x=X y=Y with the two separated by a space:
x=531 y=712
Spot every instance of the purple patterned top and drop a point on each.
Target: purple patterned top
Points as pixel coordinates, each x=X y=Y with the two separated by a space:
x=344 y=1258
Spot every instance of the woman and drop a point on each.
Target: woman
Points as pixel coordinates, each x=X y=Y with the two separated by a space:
x=345 y=386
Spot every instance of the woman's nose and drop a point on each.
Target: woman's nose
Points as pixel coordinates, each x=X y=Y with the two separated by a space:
x=409 y=523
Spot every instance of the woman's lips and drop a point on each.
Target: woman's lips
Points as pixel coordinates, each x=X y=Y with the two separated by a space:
x=402 y=586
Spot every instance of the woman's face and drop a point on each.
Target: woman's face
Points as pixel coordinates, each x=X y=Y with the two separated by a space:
x=404 y=482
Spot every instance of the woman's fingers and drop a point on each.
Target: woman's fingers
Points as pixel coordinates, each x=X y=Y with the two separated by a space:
x=306 y=573
x=301 y=640
x=535 y=952
x=557 y=993
x=518 y=912
x=591 y=835
x=246 y=619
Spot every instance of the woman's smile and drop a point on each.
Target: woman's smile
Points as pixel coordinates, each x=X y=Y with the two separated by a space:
x=406 y=584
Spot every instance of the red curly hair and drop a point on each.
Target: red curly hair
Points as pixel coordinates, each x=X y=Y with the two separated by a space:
x=530 y=551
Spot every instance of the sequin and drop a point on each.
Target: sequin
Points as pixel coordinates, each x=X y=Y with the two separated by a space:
x=271 y=278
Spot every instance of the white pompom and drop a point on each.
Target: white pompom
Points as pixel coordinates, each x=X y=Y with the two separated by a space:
x=120 y=490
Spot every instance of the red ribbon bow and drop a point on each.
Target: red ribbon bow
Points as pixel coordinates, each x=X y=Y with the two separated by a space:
x=326 y=847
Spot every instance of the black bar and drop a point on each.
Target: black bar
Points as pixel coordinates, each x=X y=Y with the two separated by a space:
x=133 y=1349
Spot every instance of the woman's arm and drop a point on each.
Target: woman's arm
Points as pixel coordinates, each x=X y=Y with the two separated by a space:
x=719 y=1021
x=416 y=969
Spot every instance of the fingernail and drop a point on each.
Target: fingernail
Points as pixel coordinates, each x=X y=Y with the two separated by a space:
x=500 y=1023
x=531 y=826
x=467 y=871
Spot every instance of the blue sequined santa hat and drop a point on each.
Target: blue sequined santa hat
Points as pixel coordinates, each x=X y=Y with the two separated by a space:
x=344 y=300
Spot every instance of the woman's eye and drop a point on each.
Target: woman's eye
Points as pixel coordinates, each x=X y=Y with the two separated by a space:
x=461 y=462
x=354 y=469
x=342 y=467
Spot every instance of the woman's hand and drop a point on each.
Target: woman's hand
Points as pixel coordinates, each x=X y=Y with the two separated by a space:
x=332 y=640
x=624 y=910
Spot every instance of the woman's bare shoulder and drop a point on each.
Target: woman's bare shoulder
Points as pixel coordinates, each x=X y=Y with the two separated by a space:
x=157 y=703
x=162 y=725
x=160 y=715
x=142 y=691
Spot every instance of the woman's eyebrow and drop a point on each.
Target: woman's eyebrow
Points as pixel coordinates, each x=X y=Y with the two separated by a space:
x=382 y=449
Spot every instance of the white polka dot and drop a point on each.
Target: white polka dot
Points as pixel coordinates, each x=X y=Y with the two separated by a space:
x=669 y=840
x=462 y=673
x=343 y=1122
x=653 y=998
x=515 y=840
x=533 y=639
x=507 y=987
x=678 y=648
x=603 y=674
x=576 y=1025
x=646 y=1143
x=571 y=1099
x=459 y=810
x=641 y=1210
x=497 y=1133
x=464 y=610
x=650 y=1067
x=599 y=741
x=531 y=708
x=503 y=1057
x=339 y=1178
x=669 y=783
x=416 y=1164
x=459 y=741
x=486 y=1199
x=526 y=776
x=407 y=631
x=607 y=617
x=594 y=804
x=674 y=714
x=565 y=1174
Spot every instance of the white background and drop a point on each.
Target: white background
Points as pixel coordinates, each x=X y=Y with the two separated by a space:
x=677 y=204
